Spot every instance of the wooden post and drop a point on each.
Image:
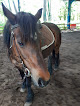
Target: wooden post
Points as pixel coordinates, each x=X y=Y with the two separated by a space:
x=69 y=13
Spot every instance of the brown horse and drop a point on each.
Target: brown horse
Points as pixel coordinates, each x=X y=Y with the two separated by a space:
x=21 y=35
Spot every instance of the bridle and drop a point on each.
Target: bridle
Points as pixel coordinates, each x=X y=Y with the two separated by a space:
x=27 y=72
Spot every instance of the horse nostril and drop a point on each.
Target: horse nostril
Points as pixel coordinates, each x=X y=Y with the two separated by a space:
x=47 y=81
x=42 y=83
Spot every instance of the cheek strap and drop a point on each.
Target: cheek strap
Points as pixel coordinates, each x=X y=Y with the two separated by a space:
x=25 y=69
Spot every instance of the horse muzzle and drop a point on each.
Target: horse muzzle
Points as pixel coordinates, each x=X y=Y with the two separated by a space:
x=42 y=83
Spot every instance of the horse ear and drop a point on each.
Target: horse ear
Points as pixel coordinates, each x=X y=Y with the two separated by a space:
x=38 y=14
x=11 y=17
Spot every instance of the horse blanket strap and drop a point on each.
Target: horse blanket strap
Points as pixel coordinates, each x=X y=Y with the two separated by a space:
x=47 y=37
x=46 y=40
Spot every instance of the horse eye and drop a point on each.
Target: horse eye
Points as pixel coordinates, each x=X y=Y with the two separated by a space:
x=21 y=44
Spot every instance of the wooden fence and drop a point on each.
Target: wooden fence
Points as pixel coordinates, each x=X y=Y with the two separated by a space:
x=61 y=26
x=72 y=26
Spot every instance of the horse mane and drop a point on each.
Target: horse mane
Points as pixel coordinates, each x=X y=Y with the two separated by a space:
x=27 y=23
x=7 y=34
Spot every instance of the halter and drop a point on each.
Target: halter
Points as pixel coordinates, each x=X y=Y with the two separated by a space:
x=27 y=72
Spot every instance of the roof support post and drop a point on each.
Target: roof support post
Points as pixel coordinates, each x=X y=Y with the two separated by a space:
x=49 y=10
x=44 y=11
x=14 y=6
x=9 y=4
x=69 y=13
x=19 y=5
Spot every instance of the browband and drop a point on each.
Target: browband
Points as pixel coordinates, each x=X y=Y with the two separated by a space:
x=14 y=26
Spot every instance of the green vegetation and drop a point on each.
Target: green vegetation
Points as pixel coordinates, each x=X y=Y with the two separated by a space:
x=2 y=19
x=1 y=27
x=62 y=26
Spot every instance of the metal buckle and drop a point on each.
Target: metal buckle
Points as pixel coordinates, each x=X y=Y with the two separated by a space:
x=27 y=72
x=11 y=39
x=14 y=26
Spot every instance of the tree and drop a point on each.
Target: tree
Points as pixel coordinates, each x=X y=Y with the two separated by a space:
x=63 y=11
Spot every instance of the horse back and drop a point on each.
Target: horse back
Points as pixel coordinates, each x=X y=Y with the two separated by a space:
x=57 y=34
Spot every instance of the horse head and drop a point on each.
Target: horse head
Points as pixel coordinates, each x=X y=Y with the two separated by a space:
x=23 y=28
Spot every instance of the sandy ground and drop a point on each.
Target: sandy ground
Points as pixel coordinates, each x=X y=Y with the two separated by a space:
x=64 y=87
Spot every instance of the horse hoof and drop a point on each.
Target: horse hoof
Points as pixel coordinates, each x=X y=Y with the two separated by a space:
x=22 y=90
x=55 y=68
x=27 y=104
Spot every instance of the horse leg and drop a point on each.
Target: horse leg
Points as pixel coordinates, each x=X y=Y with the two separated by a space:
x=23 y=88
x=53 y=59
x=21 y=73
x=27 y=84
x=50 y=64
x=30 y=94
x=53 y=56
x=56 y=59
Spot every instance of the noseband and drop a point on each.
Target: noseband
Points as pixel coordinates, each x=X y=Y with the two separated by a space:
x=27 y=72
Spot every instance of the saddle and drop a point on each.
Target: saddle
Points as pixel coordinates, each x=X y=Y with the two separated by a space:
x=46 y=40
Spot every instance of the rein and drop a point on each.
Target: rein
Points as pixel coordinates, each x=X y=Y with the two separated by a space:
x=27 y=72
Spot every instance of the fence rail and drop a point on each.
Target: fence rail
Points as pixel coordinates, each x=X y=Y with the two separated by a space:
x=61 y=26
x=64 y=26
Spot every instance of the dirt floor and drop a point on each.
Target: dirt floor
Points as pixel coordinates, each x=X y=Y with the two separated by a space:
x=64 y=87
